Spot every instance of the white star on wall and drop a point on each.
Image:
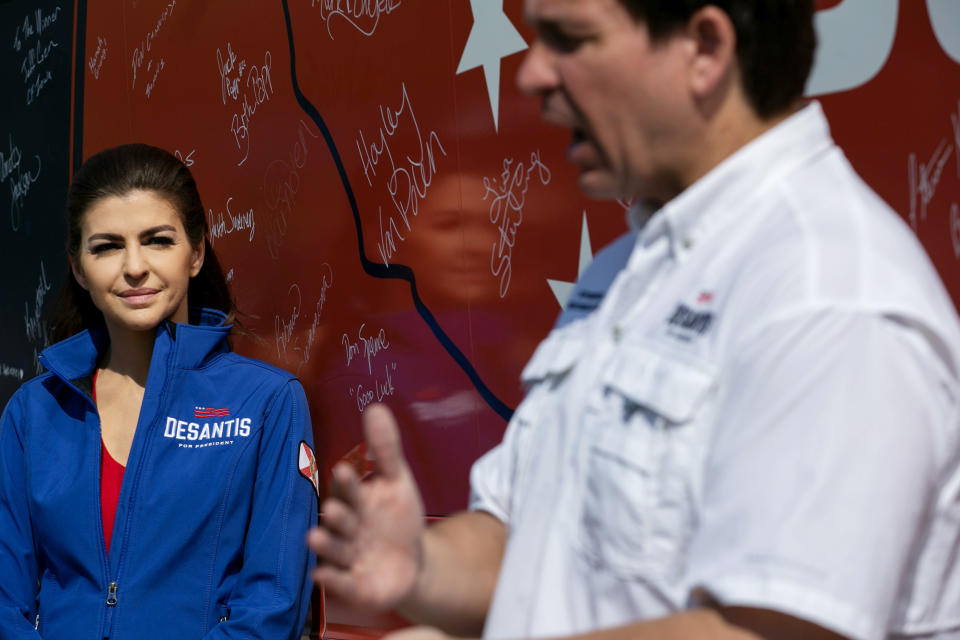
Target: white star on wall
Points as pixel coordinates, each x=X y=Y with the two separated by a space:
x=492 y=38
x=563 y=290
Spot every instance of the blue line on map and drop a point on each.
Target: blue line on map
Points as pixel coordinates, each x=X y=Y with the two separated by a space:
x=393 y=271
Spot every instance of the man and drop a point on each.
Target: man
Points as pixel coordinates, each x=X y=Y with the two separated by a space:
x=755 y=434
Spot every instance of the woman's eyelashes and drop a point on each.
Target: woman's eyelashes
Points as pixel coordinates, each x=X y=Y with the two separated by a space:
x=105 y=247
x=156 y=241
x=164 y=241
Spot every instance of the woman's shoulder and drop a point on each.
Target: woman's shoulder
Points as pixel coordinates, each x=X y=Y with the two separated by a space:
x=263 y=372
x=34 y=391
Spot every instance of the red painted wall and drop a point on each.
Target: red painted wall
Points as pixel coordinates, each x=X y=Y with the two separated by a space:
x=390 y=208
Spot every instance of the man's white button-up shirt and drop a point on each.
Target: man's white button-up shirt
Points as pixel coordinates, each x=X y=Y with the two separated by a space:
x=762 y=411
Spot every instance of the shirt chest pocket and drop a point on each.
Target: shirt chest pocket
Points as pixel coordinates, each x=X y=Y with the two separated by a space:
x=645 y=430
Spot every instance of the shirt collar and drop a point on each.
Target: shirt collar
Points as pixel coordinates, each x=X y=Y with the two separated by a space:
x=723 y=191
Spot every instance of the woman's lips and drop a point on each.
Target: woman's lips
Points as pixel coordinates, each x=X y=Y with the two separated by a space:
x=138 y=296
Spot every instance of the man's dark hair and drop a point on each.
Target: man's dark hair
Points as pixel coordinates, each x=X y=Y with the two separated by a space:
x=775 y=42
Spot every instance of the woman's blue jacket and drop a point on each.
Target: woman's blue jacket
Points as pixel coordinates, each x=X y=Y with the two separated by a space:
x=219 y=491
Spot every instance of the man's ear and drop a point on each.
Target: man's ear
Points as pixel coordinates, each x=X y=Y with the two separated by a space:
x=714 y=63
x=78 y=274
x=196 y=260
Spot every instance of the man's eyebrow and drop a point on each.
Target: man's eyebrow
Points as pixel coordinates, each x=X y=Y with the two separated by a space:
x=565 y=23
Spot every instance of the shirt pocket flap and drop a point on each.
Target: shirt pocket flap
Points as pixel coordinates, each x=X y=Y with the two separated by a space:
x=555 y=356
x=666 y=385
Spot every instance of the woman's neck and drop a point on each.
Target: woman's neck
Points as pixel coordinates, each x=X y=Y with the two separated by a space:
x=129 y=353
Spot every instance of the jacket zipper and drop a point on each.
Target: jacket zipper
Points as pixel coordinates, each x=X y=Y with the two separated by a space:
x=111 y=600
x=111 y=606
x=112 y=588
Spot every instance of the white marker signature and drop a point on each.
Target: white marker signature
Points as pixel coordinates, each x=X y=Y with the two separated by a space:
x=188 y=160
x=409 y=182
x=9 y=371
x=19 y=188
x=156 y=72
x=259 y=87
x=28 y=30
x=240 y=221
x=362 y=15
x=281 y=182
x=33 y=320
x=326 y=282
x=11 y=161
x=380 y=390
x=955 y=121
x=283 y=329
x=369 y=347
x=508 y=197
x=146 y=44
x=955 y=229
x=924 y=178
x=95 y=63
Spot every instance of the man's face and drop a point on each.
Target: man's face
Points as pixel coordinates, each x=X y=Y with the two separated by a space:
x=623 y=97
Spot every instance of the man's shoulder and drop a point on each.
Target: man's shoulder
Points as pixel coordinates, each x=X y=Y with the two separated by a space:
x=839 y=240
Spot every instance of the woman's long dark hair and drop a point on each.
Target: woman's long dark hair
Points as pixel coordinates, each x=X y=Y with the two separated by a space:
x=117 y=172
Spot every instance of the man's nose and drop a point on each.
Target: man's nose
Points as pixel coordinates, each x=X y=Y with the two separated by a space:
x=536 y=73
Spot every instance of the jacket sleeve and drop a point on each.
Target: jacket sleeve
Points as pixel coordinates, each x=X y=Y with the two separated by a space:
x=18 y=559
x=272 y=595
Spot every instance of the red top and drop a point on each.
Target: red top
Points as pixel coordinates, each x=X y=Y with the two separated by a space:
x=111 y=477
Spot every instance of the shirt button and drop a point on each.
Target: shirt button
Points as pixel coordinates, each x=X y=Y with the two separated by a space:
x=687 y=243
x=617 y=334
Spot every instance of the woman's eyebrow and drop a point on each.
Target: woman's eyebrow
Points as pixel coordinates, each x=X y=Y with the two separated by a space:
x=104 y=236
x=154 y=230
x=114 y=237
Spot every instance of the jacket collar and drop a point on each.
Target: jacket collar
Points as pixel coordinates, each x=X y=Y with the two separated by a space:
x=191 y=345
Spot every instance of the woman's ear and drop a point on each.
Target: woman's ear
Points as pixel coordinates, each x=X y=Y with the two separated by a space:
x=78 y=274
x=196 y=260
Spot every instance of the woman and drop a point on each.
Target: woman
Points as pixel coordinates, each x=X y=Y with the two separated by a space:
x=152 y=483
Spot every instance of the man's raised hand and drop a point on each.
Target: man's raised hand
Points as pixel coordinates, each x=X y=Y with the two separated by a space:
x=369 y=543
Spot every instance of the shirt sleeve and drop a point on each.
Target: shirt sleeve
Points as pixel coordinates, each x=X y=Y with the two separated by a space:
x=835 y=436
x=18 y=558
x=490 y=481
x=272 y=595
x=495 y=478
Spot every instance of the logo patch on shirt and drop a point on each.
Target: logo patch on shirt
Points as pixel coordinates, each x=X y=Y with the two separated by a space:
x=687 y=322
x=307 y=465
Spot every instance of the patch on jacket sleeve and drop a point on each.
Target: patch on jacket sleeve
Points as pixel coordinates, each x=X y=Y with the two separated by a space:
x=307 y=465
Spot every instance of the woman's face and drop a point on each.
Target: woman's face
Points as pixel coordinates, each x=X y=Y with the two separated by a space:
x=136 y=261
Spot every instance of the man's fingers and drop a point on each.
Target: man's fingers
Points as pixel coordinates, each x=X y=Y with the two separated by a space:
x=346 y=484
x=340 y=518
x=383 y=440
x=337 y=581
x=331 y=549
